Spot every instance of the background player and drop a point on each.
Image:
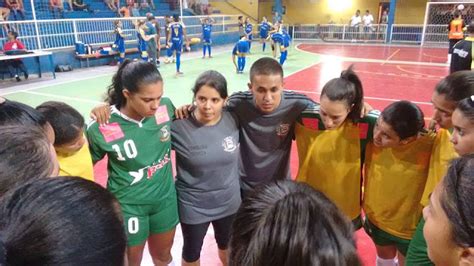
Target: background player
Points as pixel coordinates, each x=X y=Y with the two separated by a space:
x=265 y=27
x=177 y=37
x=137 y=142
x=455 y=29
x=248 y=32
x=241 y=49
x=119 y=44
x=461 y=58
x=206 y=24
x=142 y=40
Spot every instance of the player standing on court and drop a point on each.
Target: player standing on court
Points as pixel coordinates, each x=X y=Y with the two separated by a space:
x=177 y=37
x=206 y=35
x=455 y=28
x=137 y=142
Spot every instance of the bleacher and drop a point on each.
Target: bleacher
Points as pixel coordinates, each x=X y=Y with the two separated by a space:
x=100 y=10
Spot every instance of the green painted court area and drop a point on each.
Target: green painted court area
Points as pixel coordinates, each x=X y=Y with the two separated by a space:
x=89 y=92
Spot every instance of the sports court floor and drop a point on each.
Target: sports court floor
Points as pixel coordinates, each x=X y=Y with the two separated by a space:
x=388 y=74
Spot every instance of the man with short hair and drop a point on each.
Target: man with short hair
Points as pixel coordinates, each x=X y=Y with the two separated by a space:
x=355 y=23
x=15 y=65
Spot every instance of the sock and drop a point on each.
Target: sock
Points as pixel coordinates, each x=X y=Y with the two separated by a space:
x=283 y=57
x=169 y=53
x=264 y=46
x=243 y=64
x=120 y=60
x=178 y=61
x=250 y=45
x=209 y=49
x=385 y=262
x=239 y=63
x=204 y=50
x=449 y=58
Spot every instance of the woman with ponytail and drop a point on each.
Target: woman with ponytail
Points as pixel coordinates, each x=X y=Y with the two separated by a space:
x=331 y=141
x=137 y=142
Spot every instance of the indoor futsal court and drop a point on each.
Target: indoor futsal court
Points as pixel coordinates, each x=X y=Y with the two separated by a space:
x=388 y=73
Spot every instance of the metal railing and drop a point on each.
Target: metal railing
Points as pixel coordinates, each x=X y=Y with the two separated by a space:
x=432 y=35
x=64 y=33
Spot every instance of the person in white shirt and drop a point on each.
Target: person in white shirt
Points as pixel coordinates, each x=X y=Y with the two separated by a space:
x=368 y=19
x=355 y=24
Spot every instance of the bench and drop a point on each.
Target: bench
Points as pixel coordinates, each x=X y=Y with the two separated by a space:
x=86 y=57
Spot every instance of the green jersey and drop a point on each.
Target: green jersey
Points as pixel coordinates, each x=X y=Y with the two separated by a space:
x=139 y=159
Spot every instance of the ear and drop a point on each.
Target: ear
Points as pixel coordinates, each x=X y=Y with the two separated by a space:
x=126 y=93
x=250 y=86
x=467 y=256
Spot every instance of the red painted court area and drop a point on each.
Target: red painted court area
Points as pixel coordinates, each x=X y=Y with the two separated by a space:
x=386 y=78
x=394 y=53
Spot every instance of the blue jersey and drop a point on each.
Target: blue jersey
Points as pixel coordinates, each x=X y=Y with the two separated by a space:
x=282 y=38
x=206 y=32
x=248 y=29
x=264 y=28
x=119 y=43
x=141 y=43
x=177 y=31
x=241 y=48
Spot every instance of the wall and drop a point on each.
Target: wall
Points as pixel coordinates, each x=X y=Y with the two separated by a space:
x=319 y=11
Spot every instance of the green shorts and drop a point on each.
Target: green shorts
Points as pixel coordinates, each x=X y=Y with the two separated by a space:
x=417 y=254
x=382 y=238
x=143 y=220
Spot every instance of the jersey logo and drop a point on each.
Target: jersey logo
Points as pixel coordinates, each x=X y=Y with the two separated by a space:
x=111 y=132
x=283 y=129
x=460 y=52
x=150 y=170
x=229 y=144
x=311 y=123
x=363 y=130
x=161 y=115
x=165 y=134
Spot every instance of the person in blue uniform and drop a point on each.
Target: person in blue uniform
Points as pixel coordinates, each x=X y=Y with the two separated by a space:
x=119 y=44
x=248 y=32
x=265 y=27
x=177 y=37
x=206 y=35
x=241 y=49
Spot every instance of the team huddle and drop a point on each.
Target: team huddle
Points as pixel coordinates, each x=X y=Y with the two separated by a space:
x=380 y=170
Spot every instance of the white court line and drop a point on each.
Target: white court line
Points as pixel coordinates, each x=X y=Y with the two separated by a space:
x=366 y=60
x=63 y=97
x=196 y=56
x=390 y=57
x=367 y=97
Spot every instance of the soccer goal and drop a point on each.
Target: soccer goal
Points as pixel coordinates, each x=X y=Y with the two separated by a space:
x=437 y=17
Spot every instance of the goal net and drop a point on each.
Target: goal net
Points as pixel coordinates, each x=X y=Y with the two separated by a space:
x=437 y=17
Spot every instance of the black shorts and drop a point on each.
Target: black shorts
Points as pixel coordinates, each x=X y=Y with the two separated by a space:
x=452 y=42
x=193 y=236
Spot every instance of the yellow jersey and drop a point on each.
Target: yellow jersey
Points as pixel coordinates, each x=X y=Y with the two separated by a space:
x=394 y=182
x=330 y=160
x=78 y=164
x=443 y=152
